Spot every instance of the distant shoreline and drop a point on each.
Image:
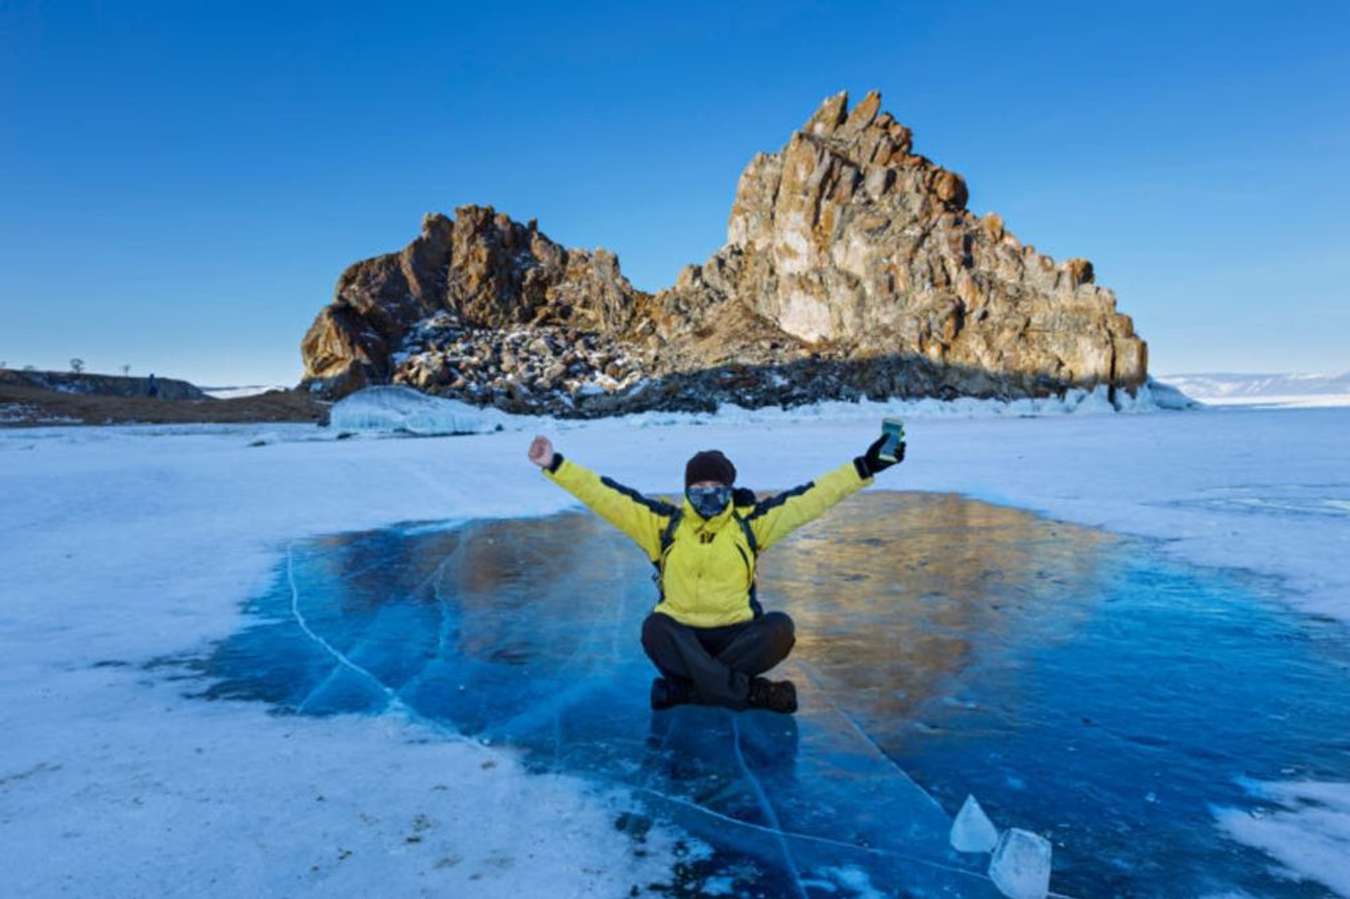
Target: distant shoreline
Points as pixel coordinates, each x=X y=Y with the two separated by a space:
x=23 y=405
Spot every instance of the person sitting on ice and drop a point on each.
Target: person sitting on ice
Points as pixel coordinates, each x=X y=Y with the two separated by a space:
x=708 y=635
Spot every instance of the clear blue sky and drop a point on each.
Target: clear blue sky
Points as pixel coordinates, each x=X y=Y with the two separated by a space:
x=181 y=183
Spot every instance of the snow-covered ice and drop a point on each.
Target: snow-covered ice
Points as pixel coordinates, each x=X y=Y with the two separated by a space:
x=1020 y=866
x=1305 y=826
x=404 y=410
x=123 y=545
x=972 y=831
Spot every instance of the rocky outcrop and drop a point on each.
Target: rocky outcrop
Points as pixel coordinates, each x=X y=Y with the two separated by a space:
x=852 y=268
x=480 y=267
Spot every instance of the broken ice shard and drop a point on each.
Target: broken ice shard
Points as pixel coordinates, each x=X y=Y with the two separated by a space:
x=972 y=831
x=1020 y=867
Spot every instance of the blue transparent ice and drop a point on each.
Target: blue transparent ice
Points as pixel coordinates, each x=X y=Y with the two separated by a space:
x=1060 y=674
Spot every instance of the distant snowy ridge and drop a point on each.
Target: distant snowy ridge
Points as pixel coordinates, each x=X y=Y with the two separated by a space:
x=231 y=393
x=395 y=409
x=1231 y=388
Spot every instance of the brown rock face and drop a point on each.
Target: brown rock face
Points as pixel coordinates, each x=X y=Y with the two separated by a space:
x=481 y=267
x=846 y=238
x=851 y=268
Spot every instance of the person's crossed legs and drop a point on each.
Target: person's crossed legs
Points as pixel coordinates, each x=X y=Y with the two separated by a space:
x=720 y=663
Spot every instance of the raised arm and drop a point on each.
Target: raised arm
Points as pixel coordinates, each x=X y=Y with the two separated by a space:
x=774 y=518
x=640 y=518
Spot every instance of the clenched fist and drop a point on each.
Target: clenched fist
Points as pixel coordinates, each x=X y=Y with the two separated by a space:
x=541 y=451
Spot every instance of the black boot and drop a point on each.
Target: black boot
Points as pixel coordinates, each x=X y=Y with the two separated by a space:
x=667 y=692
x=776 y=696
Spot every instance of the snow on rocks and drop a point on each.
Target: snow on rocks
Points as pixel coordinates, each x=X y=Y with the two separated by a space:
x=402 y=410
x=536 y=369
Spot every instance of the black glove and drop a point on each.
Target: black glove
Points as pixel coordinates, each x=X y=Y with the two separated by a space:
x=743 y=496
x=870 y=464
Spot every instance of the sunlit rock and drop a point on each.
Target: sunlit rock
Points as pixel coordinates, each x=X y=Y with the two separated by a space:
x=852 y=268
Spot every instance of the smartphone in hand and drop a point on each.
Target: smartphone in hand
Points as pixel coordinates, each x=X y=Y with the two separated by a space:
x=894 y=431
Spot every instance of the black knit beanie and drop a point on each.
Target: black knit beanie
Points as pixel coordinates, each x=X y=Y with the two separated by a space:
x=709 y=465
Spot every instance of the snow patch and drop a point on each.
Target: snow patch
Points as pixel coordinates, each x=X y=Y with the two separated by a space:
x=18 y=413
x=403 y=410
x=853 y=879
x=1305 y=828
x=1074 y=402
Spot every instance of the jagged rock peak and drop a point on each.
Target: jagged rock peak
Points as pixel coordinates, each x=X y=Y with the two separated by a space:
x=846 y=237
x=852 y=267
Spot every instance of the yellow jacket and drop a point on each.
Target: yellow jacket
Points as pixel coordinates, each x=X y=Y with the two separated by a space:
x=705 y=568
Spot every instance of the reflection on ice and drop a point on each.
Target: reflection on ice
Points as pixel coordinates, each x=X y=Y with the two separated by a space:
x=1053 y=671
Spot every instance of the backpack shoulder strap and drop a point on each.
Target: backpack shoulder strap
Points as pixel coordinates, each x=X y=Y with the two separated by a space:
x=668 y=534
x=749 y=535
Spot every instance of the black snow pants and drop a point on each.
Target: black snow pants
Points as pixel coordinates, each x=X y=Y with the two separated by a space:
x=718 y=661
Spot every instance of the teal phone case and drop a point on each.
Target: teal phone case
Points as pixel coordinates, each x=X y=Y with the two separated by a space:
x=894 y=429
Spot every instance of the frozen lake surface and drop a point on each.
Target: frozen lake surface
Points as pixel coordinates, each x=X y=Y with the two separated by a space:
x=1077 y=683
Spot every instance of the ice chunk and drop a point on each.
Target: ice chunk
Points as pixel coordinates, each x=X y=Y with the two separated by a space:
x=406 y=410
x=972 y=831
x=1020 y=867
x=1166 y=396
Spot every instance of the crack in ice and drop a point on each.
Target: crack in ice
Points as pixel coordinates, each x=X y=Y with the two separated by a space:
x=814 y=676
x=824 y=841
x=391 y=698
x=770 y=814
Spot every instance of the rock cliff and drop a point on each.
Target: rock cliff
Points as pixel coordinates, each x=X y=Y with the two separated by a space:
x=852 y=268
